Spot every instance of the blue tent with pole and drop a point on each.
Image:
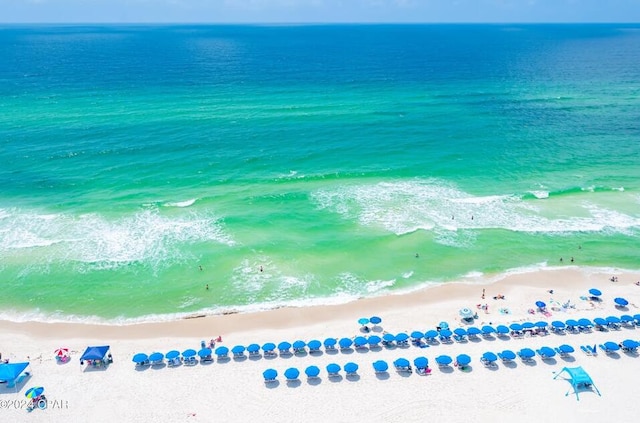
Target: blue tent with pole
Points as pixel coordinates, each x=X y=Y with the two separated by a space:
x=95 y=353
x=579 y=379
x=10 y=372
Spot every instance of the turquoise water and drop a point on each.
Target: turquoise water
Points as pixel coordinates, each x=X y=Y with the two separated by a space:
x=328 y=156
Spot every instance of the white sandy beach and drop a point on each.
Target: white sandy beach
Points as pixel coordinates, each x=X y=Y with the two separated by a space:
x=234 y=391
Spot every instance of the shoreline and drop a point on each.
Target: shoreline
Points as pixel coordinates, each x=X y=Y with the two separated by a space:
x=287 y=317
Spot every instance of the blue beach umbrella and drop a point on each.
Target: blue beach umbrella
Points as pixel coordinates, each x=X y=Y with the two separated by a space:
x=473 y=331
x=401 y=362
x=380 y=366
x=253 y=348
x=463 y=359
x=431 y=334
x=443 y=359
x=292 y=373
x=387 y=337
x=351 y=367
x=630 y=343
x=312 y=371
x=363 y=321
x=488 y=329
x=238 y=349
x=572 y=322
x=541 y=324
x=540 y=304
x=330 y=342
x=284 y=346
x=375 y=320
x=298 y=345
x=528 y=325
x=585 y=322
x=502 y=329
x=508 y=354
x=527 y=353
x=401 y=337
x=417 y=334
x=421 y=362
x=172 y=354
x=189 y=353
x=611 y=346
x=489 y=357
x=333 y=368
x=613 y=319
x=204 y=352
x=620 y=302
x=625 y=318
x=566 y=349
x=314 y=345
x=637 y=317
x=156 y=356
x=515 y=326
x=268 y=347
x=345 y=342
x=600 y=321
x=547 y=352
x=140 y=358
x=223 y=351
x=460 y=332
x=595 y=292
x=374 y=340
x=466 y=313
x=446 y=333
x=34 y=392
x=360 y=341
x=558 y=324
x=270 y=374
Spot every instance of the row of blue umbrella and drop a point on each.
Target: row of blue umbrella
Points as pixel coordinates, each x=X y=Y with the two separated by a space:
x=293 y=373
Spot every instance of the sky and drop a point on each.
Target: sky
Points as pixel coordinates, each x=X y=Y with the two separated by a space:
x=318 y=11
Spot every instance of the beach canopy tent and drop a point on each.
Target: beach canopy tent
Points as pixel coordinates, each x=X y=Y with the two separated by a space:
x=95 y=353
x=9 y=372
x=579 y=379
x=595 y=292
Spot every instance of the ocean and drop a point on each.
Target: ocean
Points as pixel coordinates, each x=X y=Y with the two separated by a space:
x=306 y=164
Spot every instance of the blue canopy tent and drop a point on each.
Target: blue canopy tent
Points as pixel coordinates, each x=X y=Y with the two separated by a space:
x=380 y=366
x=95 y=353
x=312 y=371
x=291 y=373
x=270 y=375
x=11 y=372
x=350 y=368
x=314 y=345
x=579 y=379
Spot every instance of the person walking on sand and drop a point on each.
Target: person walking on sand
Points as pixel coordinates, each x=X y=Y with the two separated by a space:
x=483 y=293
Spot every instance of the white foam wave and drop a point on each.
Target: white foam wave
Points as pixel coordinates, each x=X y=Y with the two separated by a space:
x=185 y=203
x=432 y=205
x=540 y=194
x=94 y=239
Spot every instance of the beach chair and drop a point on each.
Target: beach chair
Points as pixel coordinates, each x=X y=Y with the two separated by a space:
x=585 y=349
